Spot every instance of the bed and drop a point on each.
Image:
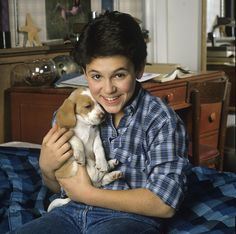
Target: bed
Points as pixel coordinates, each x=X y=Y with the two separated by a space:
x=209 y=207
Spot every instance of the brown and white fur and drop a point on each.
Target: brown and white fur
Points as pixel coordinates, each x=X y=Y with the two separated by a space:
x=82 y=113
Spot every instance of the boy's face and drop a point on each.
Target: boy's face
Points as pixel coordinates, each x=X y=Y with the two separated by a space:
x=112 y=82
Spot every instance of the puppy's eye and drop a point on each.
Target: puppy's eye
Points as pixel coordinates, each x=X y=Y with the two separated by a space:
x=88 y=106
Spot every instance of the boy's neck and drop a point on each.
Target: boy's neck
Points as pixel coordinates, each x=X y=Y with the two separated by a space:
x=117 y=117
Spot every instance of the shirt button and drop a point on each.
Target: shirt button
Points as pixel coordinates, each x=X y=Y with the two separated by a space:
x=129 y=159
x=13 y=209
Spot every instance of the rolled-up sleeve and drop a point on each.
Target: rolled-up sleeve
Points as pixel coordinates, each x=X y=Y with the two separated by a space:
x=167 y=160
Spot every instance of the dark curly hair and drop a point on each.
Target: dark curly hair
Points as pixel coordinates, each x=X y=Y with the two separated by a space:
x=112 y=33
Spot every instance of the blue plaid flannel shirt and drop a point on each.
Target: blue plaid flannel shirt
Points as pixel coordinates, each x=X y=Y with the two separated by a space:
x=151 y=145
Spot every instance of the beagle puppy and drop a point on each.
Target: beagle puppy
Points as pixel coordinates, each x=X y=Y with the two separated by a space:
x=83 y=114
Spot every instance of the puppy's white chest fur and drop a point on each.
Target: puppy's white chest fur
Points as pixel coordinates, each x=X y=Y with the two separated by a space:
x=86 y=134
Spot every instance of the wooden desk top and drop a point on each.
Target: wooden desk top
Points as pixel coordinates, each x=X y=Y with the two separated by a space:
x=174 y=92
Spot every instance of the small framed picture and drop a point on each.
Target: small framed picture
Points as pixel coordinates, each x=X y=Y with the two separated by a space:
x=62 y=17
x=57 y=20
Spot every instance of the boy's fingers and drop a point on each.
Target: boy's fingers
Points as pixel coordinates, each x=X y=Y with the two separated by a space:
x=49 y=134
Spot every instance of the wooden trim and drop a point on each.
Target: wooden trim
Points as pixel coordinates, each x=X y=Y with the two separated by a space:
x=13 y=52
x=204 y=36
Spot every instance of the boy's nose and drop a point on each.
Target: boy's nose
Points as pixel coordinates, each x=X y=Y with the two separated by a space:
x=109 y=87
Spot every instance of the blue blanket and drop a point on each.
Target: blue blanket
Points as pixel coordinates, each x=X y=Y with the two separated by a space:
x=209 y=207
x=23 y=197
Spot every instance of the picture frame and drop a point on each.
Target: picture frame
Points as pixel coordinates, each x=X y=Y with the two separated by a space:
x=42 y=13
x=18 y=9
x=64 y=16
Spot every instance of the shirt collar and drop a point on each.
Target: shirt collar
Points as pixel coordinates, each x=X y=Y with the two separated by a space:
x=132 y=105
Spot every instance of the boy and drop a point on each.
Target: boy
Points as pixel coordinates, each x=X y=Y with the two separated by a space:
x=140 y=131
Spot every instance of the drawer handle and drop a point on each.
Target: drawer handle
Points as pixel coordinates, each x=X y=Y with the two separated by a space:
x=169 y=97
x=212 y=117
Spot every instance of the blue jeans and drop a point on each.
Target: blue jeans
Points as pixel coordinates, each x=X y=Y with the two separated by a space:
x=76 y=218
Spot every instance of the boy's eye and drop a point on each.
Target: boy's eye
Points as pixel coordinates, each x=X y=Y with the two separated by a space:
x=96 y=77
x=120 y=75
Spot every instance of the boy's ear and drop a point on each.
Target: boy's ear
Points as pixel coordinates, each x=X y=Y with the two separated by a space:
x=140 y=72
x=84 y=71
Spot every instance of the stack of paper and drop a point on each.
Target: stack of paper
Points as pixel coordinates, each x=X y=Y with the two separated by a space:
x=72 y=80
x=148 y=76
x=178 y=72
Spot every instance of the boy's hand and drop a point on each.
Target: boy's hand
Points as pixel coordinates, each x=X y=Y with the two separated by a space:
x=55 y=150
x=79 y=186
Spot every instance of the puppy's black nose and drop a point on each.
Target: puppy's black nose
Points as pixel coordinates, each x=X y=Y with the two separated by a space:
x=102 y=115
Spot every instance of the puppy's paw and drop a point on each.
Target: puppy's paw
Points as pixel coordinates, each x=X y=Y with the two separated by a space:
x=79 y=157
x=113 y=163
x=102 y=165
x=117 y=175
x=112 y=176
x=81 y=161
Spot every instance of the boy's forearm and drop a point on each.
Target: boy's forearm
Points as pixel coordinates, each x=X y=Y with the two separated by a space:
x=139 y=201
x=52 y=184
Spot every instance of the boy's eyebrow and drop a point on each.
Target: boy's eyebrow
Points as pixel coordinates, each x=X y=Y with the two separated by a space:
x=120 y=69
x=117 y=70
x=93 y=71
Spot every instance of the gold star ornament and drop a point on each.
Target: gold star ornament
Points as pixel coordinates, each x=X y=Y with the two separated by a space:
x=31 y=32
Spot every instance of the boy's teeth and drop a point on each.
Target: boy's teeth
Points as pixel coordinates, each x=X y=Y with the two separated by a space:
x=111 y=99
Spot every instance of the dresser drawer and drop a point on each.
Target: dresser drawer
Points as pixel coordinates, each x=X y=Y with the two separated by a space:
x=210 y=138
x=32 y=113
x=172 y=96
x=210 y=117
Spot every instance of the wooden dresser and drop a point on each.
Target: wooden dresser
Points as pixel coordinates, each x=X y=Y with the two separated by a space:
x=9 y=58
x=29 y=111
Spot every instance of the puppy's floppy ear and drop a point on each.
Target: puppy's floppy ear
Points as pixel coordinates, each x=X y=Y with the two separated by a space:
x=65 y=117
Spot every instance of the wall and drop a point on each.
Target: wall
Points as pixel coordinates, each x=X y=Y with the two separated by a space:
x=174 y=26
x=175 y=31
x=184 y=30
x=133 y=7
x=213 y=10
